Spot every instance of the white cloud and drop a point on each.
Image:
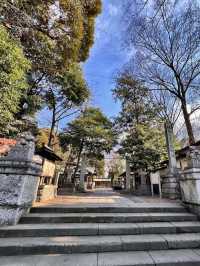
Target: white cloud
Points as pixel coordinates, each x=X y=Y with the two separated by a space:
x=113 y=10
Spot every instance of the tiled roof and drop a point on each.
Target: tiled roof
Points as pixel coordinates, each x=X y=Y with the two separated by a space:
x=6 y=145
x=4 y=141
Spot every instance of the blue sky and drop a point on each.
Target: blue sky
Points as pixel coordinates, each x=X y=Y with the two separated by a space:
x=106 y=57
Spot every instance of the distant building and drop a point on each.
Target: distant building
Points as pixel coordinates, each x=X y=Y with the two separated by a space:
x=140 y=181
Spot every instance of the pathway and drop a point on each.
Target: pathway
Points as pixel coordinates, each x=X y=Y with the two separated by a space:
x=103 y=228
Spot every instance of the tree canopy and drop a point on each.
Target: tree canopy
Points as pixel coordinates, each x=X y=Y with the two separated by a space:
x=167 y=52
x=64 y=95
x=53 y=33
x=90 y=134
x=141 y=138
x=55 y=36
x=13 y=79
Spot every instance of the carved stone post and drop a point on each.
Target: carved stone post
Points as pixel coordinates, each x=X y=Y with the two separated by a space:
x=190 y=181
x=83 y=173
x=170 y=183
x=128 y=176
x=19 y=178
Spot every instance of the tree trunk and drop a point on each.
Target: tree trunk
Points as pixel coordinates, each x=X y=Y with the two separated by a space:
x=53 y=123
x=187 y=122
x=68 y=167
x=79 y=158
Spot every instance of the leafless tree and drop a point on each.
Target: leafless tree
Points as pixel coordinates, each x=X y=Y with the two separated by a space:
x=169 y=108
x=168 y=54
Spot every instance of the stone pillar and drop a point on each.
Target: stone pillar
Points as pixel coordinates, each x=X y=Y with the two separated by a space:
x=170 y=183
x=190 y=181
x=170 y=149
x=128 y=176
x=19 y=179
x=82 y=174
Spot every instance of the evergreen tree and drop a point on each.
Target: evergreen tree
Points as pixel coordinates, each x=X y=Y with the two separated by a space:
x=13 y=80
x=90 y=134
x=64 y=95
x=142 y=139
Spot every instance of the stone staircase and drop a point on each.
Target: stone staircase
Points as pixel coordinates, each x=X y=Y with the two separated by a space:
x=103 y=236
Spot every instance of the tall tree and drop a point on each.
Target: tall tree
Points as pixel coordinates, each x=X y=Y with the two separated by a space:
x=167 y=55
x=142 y=142
x=64 y=95
x=91 y=134
x=135 y=99
x=53 y=33
x=13 y=80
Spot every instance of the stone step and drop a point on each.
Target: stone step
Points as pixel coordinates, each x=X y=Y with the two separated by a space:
x=96 y=244
x=73 y=229
x=181 y=257
x=142 y=208
x=106 y=217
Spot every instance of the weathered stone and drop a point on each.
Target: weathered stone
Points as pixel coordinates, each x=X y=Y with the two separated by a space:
x=171 y=186
x=190 y=182
x=24 y=149
x=128 y=176
x=128 y=259
x=170 y=183
x=143 y=242
x=182 y=241
x=82 y=174
x=170 y=149
x=51 y=260
x=175 y=257
x=19 y=178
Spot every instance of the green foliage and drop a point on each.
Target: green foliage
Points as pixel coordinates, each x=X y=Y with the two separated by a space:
x=64 y=94
x=142 y=141
x=67 y=90
x=144 y=147
x=116 y=167
x=53 y=33
x=91 y=133
x=136 y=104
x=43 y=138
x=99 y=166
x=13 y=82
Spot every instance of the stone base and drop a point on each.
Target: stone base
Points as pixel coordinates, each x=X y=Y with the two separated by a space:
x=171 y=187
x=190 y=186
x=18 y=189
x=10 y=215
